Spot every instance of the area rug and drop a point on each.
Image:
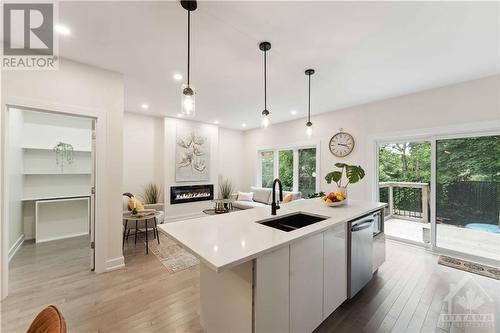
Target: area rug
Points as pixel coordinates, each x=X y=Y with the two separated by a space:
x=172 y=255
x=470 y=267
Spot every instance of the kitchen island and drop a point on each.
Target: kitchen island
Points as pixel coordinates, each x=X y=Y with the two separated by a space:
x=259 y=278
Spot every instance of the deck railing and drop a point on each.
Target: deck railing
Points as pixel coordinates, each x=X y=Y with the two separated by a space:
x=406 y=200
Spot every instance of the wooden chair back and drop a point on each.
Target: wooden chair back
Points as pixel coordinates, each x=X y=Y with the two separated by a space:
x=49 y=320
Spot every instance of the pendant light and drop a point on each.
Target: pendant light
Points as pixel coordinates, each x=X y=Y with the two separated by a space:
x=188 y=94
x=309 y=129
x=265 y=46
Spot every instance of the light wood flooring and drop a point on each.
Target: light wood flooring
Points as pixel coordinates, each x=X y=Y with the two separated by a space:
x=406 y=295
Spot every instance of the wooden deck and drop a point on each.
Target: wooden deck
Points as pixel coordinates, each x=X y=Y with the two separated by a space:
x=474 y=242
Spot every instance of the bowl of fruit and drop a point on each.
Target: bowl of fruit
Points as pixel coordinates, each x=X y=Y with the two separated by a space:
x=334 y=199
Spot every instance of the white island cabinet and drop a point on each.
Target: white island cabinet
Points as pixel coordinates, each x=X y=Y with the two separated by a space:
x=255 y=278
x=334 y=268
x=306 y=284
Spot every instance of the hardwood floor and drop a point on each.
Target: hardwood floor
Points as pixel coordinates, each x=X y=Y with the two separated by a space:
x=143 y=297
x=406 y=295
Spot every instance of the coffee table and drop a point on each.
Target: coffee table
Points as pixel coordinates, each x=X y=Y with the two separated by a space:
x=211 y=211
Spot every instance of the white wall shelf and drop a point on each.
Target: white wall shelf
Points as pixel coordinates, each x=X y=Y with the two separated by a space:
x=43 y=162
x=55 y=173
x=56 y=185
x=51 y=149
x=56 y=197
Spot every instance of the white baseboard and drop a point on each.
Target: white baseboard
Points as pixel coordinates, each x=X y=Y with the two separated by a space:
x=183 y=217
x=17 y=245
x=61 y=237
x=115 y=263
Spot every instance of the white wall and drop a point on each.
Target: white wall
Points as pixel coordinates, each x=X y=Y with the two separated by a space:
x=460 y=104
x=91 y=91
x=231 y=157
x=142 y=152
x=15 y=181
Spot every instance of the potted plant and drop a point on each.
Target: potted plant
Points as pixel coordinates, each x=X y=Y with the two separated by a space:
x=225 y=191
x=353 y=174
x=152 y=193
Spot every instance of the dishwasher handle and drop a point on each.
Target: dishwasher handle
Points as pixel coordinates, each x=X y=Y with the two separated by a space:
x=362 y=225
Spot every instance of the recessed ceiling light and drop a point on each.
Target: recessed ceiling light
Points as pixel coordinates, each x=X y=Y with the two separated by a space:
x=216 y=122
x=62 y=30
x=144 y=106
x=243 y=125
x=177 y=77
x=293 y=112
x=179 y=115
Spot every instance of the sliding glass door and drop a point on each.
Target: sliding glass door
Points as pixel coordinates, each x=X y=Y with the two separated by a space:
x=448 y=199
x=468 y=195
x=404 y=173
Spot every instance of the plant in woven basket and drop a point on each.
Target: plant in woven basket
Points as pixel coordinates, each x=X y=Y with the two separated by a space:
x=225 y=189
x=151 y=193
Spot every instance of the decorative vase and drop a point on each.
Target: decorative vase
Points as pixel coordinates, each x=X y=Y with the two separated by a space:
x=343 y=190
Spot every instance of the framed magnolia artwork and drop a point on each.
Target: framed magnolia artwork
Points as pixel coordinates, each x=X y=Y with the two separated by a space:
x=192 y=153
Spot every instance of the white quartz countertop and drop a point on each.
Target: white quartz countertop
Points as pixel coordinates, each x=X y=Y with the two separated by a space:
x=227 y=240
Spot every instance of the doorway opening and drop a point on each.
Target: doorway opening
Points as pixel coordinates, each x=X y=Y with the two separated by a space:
x=50 y=174
x=468 y=195
x=404 y=184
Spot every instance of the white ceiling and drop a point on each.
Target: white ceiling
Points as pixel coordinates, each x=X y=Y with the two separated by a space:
x=362 y=51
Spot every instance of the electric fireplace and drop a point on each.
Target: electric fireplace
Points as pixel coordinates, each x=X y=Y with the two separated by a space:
x=191 y=193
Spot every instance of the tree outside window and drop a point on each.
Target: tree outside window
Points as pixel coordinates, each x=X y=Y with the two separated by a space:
x=301 y=177
x=267 y=160
x=307 y=171
x=286 y=169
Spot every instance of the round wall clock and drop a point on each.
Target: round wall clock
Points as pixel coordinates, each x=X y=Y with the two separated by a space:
x=341 y=144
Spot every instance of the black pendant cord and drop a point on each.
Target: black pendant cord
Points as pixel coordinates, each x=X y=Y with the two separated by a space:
x=309 y=102
x=265 y=46
x=189 y=43
x=265 y=80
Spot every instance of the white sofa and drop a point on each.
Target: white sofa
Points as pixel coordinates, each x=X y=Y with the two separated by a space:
x=261 y=197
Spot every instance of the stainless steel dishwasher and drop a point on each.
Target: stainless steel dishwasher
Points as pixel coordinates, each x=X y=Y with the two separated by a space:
x=361 y=253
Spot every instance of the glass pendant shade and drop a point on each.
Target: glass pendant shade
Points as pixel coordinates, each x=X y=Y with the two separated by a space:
x=309 y=130
x=265 y=119
x=188 y=101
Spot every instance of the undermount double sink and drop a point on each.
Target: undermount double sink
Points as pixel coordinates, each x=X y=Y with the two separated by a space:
x=292 y=222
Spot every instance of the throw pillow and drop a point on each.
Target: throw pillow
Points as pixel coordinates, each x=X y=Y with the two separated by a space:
x=288 y=198
x=134 y=203
x=245 y=196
